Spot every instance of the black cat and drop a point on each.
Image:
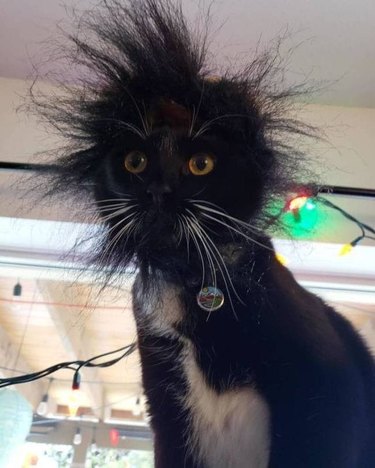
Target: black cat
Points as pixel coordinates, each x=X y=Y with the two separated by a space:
x=241 y=366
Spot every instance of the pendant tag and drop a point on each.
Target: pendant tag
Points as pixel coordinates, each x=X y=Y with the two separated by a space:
x=210 y=298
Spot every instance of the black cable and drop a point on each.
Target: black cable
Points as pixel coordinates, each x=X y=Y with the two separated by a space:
x=361 y=225
x=57 y=379
x=88 y=363
x=347 y=191
x=72 y=365
x=28 y=167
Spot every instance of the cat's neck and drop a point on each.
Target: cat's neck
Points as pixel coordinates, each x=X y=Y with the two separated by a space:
x=237 y=258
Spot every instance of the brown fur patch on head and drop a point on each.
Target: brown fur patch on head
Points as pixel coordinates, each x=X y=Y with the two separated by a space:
x=167 y=112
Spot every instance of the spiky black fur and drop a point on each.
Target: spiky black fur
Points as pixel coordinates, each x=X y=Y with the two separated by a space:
x=133 y=53
x=148 y=86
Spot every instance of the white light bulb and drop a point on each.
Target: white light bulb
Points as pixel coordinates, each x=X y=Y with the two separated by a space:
x=74 y=402
x=77 y=439
x=42 y=408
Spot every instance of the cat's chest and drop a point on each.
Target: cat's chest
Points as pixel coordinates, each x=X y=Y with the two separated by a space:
x=227 y=429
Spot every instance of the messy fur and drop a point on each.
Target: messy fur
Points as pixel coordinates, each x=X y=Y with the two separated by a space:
x=130 y=52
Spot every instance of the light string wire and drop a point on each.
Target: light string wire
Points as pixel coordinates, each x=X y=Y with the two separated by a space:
x=75 y=366
x=365 y=228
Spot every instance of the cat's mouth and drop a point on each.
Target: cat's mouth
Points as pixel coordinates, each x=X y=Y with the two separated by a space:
x=160 y=225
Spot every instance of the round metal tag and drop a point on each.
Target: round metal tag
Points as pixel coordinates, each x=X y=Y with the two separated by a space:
x=210 y=298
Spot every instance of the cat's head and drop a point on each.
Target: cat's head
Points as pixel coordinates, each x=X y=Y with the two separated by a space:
x=169 y=154
x=174 y=176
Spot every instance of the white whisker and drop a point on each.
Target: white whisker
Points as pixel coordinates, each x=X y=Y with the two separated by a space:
x=112 y=200
x=219 y=255
x=187 y=233
x=116 y=213
x=196 y=113
x=133 y=128
x=206 y=125
x=200 y=255
x=209 y=256
x=114 y=241
x=208 y=242
x=111 y=208
x=221 y=212
x=145 y=127
x=241 y=233
x=180 y=233
x=225 y=274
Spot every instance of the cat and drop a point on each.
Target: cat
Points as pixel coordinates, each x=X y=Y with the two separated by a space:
x=242 y=367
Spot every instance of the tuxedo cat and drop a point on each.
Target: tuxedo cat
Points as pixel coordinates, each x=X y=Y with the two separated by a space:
x=242 y=367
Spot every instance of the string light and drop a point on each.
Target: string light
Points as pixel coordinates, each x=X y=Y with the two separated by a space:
x=17 y=290
x=77 y=439
x=364 y=228
x=281 y=258
x=297 y=203
x=43 y=405
x=347 y=248
x=300 y=201
x=75 y=396
x=114 y=437
x=300 y=213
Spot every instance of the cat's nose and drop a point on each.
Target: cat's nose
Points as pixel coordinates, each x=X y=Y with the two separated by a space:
x=158 y=191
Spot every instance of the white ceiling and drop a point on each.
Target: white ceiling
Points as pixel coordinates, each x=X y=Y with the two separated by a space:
x=335 y=38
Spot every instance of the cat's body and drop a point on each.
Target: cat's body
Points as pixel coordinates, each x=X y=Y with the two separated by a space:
x=181 y=168
x=286 y=383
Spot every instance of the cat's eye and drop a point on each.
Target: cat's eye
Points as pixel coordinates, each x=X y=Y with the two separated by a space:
x=201 y=164
x=135 y=162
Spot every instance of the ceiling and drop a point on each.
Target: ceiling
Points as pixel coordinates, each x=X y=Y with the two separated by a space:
x=59 y=320
x=65 y=319
x=333 y=40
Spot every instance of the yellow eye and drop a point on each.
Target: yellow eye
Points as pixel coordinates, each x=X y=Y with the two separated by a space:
x=135 y=162
x=201 y=164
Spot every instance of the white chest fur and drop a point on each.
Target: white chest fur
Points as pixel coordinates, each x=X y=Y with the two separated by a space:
x=228 y=430
x=161 y=310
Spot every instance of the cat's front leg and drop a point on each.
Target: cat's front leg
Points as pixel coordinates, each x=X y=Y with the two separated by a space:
x=165 y=388
x=164 y=382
